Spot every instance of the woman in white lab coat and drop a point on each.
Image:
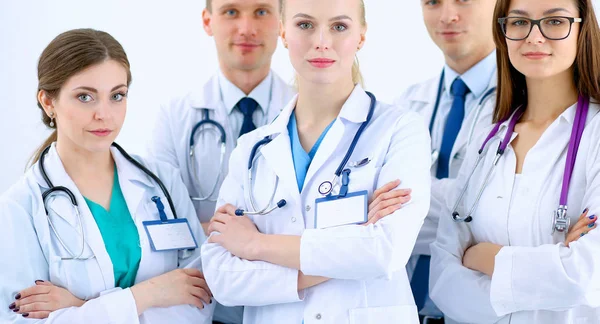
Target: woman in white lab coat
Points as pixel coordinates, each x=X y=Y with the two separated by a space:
x=511 y=263
x=310 y=260
x=94 y=262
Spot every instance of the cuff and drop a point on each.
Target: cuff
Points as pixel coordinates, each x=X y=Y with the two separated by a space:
x=501 y=291
x=120 y=306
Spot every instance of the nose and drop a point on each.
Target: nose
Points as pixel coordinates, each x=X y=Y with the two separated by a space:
x=536 y=36
x=247 y=26
x=323 y=39
x=449 y=13
x=102 y=111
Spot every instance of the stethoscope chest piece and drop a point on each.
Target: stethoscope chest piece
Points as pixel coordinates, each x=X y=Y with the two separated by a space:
x=560 y=221
x=325 y=188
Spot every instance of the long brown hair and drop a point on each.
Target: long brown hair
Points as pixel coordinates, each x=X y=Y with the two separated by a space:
x=68 y=54
x=512 y=89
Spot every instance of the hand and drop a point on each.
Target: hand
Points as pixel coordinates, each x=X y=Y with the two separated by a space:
x=384 y=201
x=582 y=227
x=237 y=234
x=205 y=227
x=481 y=257
x=177 y=287
x=42 y=299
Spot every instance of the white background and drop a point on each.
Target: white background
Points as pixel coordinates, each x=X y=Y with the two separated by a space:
x=170 y=54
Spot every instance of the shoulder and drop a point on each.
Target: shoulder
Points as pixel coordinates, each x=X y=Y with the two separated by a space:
x=22 y=197
x=422 y=91
x=399 y=115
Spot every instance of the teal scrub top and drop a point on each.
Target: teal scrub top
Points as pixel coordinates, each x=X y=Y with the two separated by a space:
x=120 y=235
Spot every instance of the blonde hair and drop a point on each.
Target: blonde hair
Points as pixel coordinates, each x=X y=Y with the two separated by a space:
x=357 y=77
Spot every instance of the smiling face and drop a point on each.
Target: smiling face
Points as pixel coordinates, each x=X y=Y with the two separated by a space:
x=460 y=28
x=323 y=37
x=245 y=32
x=90 y=107
x=537 y=57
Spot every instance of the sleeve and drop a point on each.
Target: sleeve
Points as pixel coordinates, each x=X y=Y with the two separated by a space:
x=163 y=140
x=553 y=277
x=239 y=282
x=428 y=231
x=380 y=249
x=23 y=262
x=460 y=293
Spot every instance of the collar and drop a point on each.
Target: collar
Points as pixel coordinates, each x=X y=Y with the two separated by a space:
x=354 y=110
x=477 y=77
x=231 y=94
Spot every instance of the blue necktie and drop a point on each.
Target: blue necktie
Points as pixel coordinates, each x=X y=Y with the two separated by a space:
x=247 y=106
x=454 y=121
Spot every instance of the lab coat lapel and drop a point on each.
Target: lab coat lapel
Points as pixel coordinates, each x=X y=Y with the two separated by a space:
x=281 y=93
x=353 y=112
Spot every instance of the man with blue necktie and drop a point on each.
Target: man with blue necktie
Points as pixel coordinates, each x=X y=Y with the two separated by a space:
x=244 y=94
x=455 y=105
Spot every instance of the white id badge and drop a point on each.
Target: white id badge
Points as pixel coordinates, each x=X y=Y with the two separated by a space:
x=173 y=234
x=333 y=211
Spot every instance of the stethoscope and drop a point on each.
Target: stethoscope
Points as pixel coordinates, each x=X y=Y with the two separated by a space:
x=60 y=189
x=560 y=221
x=486 y=96
x=325 y=188
x=218 y=128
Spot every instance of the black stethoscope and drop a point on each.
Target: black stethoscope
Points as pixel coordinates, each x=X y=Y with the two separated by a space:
x=220 y=130
x=325 y=188
x=438 y=98
x=60 y=189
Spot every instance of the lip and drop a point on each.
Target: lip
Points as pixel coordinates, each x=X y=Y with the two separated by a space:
x=101 y=132
x=247 y=46
x=536 y=55
x=449 y=34
x=321 y=63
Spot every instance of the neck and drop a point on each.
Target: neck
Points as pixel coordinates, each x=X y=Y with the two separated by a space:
x=548 y=98
x=245 y=80
x=82 y=164
x=465 y=63
x=320 y=103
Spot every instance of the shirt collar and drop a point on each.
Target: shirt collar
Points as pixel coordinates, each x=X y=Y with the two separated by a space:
x=231 y=94
x=476 y=78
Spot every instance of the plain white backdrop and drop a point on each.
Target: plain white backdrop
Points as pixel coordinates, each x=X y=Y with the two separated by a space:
x=170 y=55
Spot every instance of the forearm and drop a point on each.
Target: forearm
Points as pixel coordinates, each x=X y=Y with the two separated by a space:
x=305 y=281
x=283 y=250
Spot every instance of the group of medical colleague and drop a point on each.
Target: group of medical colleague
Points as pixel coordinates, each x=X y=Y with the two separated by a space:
x=471 y=199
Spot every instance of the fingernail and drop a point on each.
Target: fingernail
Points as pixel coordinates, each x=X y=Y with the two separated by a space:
x=592 y=224
x=210 y=301
x=585 y=211
x=18 y=296
x=11 y=306
x=39 y=280
x=16 y=309
x=593 y=216
x=25 y=314
x=582 y=234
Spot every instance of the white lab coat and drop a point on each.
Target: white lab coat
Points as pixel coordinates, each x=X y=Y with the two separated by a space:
x=421 y=98
x=31 y=250
x=369 y=282
x=537 y=279
x=171 y=138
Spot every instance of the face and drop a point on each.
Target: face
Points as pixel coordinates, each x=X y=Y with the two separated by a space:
x=90 y=108
x=537 y=57
x=245 y=32
x=460 y=28
x=323 y=37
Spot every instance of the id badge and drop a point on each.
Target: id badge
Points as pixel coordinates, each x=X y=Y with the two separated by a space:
x=169 y=235
x=333 y=211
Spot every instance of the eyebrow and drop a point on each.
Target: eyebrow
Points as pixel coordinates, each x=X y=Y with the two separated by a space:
x=96 y=91
x=231 y=5
x=547 y=12
x=340 y=17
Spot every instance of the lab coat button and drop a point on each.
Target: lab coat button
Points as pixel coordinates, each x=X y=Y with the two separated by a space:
x=318 y=316
x=307 y=207
x=293 y=219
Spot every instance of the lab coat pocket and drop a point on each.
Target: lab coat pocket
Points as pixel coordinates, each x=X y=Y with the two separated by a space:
x=75 y=276
x=406 y=314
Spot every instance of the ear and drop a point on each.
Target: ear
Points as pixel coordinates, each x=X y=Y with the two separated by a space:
x=282 y=34
x=363 y=37
x=46 y=102
x=206 y=19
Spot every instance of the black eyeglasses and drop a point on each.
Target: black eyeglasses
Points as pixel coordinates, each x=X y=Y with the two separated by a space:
x=552 y=28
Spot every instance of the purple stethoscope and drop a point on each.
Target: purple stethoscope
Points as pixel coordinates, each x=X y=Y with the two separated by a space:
x=560 y=221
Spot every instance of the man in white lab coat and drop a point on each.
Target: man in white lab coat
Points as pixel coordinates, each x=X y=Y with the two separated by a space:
x=244 y=94
x=453 y=110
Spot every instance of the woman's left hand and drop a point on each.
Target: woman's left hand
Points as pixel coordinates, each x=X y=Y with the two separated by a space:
x=42 y=299
x=237 y=234
x=481 y=257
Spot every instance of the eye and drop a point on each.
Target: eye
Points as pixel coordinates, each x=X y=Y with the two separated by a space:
x=262 y=12
x=118 y=96
x=84 y=97
x=555 y=21
x=231 y=12
x=431 y=2
x=340 y=27
x=305 y=25
x=519 y=22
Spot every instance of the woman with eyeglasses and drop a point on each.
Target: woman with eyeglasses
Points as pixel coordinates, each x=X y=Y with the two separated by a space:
x=515 y=246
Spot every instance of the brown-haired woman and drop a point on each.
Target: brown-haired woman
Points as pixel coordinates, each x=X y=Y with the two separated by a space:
x=75 y=228
x=515 y=248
